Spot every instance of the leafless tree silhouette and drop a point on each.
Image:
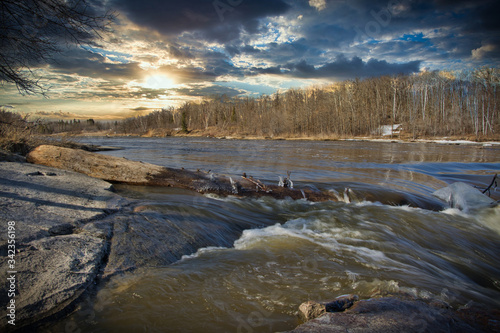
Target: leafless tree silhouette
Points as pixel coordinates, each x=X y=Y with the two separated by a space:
x=32 y=31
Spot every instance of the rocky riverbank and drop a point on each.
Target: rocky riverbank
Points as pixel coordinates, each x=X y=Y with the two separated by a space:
x=59 y=248
x=395 y=313
x=71 y=231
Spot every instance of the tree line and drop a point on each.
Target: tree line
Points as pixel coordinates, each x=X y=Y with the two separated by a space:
x=427 y=104
x=74 y=126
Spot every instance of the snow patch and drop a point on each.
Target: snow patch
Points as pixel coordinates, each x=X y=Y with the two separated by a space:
x=386 y=130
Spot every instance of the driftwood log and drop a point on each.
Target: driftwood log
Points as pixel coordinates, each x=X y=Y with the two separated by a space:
x=121 y=170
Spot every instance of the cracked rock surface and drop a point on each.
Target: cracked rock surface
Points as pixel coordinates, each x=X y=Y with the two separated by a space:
x=58 y=251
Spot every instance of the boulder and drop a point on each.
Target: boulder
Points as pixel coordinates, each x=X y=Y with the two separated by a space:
x=52 y=273
x=95 y=165
x=58 y=253
x=402 y=314
x=311 y=309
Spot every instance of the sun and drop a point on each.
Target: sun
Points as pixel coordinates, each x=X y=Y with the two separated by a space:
x=159 y=81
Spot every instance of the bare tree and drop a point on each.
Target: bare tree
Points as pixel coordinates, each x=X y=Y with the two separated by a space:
x=31 y=31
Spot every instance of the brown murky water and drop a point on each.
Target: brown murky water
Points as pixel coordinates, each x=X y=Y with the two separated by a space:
x=305 y=250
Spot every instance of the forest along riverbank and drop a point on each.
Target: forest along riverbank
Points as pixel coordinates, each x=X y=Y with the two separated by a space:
x=262 y=257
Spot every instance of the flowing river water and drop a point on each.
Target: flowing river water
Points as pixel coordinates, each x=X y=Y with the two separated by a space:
x=300 y=250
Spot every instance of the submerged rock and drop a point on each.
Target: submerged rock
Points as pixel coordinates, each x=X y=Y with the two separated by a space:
x=143 y=237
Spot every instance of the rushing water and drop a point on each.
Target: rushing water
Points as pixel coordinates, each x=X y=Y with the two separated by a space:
x=299 y=250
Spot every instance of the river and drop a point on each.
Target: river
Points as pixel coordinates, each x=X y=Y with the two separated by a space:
x=299 y=250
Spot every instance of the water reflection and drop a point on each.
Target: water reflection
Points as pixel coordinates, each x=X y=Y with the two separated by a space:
x=410 y=166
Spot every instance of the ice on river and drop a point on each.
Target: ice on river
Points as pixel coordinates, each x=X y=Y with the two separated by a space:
x=464 y=197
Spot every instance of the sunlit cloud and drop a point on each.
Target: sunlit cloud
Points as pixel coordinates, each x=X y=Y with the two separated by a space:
x=318 y=4
x=484 y=51
x=167 y=53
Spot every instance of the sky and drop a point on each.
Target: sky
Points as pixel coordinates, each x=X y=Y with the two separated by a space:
x=163 y=53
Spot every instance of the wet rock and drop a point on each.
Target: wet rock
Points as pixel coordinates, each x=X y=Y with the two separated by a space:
x=481 y=316
x=311 y=309
x=150 y=239
x=393 y=314
x=341 y=303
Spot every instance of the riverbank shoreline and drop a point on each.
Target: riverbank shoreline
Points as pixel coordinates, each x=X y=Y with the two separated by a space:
x=457 y=140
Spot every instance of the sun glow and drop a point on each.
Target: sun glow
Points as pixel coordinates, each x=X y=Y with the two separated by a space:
x=159 y=82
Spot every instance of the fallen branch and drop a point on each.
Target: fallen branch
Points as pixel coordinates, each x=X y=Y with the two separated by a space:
x=257 y=183
x=493 y=182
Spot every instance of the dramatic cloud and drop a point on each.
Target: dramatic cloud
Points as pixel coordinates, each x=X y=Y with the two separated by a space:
x=486 y=51
x=219 y=20
x=91 y=64
x=343 y=68
x=163 y=53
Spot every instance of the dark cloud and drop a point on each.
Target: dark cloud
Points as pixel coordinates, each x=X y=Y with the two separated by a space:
x=343 y=68
x=245 y=49
x=216 y=20
x=90 y=64
x=141 y=109
x=179 y=53
x=57 y=115
x=211 y=90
